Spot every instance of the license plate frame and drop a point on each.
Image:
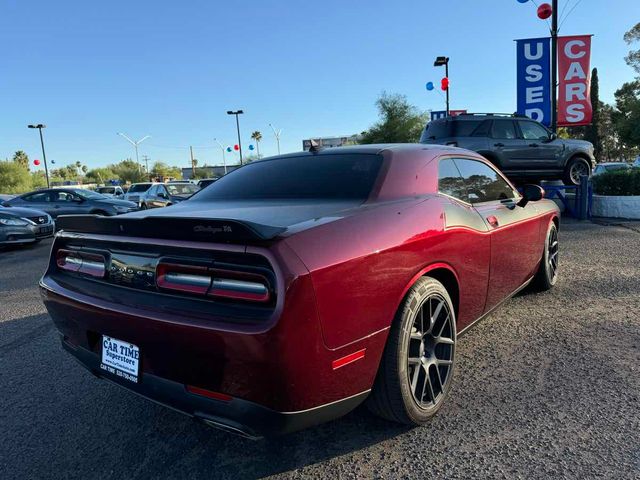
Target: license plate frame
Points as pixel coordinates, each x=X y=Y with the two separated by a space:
x=120 y=358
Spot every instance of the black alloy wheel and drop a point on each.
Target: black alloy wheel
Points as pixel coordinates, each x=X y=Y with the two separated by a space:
x=417 y=367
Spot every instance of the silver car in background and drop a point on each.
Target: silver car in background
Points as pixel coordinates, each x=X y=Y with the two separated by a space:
x=137 y=192
x=24 y=225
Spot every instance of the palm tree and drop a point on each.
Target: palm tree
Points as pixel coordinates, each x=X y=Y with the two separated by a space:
x=257 y=136
x=78 y=165
x=84 y=169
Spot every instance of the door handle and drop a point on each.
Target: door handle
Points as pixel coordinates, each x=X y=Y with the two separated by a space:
x=493 y=221
x=533 y=144
x=498 y=144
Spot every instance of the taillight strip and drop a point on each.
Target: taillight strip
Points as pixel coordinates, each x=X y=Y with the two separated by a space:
x=224 y=287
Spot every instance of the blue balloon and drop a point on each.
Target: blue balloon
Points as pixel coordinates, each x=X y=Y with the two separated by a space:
x=523 y=1
x=429 y=86
x=251 y=147
x=229 y=149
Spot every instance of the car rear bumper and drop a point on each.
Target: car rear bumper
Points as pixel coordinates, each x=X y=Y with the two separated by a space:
x=16 y=235
x=234 y=415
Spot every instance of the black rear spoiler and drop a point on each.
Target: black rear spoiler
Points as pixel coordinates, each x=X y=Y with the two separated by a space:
x=195 y=229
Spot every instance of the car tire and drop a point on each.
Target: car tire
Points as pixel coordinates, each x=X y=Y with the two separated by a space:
x=576 y=167
x=416 y=370
x=143 y=206
x=547 y=274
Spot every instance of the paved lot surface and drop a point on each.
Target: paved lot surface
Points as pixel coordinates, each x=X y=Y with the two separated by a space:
x=547 y=387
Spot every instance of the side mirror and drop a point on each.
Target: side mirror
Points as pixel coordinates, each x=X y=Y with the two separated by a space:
x=530 y=193
x=162 y=195
x=552 y=137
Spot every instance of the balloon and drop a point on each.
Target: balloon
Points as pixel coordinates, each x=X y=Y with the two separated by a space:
x=523 y=1
x=236 y=147
x=544 y=11
x=429 y=86
x=251 y=147
x=228 y=149
x=36 y=162
x=444 y=83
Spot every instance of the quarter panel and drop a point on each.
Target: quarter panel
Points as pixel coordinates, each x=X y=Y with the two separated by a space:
x=361 y=266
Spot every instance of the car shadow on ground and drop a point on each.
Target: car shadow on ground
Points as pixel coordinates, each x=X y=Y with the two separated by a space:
x=79 y=417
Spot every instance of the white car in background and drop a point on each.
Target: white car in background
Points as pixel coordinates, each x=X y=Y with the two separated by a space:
x=636 y=163
x=610 y=166
x=111 y=191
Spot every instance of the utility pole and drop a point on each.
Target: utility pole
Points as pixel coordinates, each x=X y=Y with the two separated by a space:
x=440 y=61
x=40 y=126
x=237 y=113
x=554 y=65
x=146 y=163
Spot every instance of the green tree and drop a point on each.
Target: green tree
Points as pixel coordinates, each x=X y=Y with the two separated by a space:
x=626 y=118
x=399 y=121
x=21 y=158
x=633 y=59
x=162 y=169
x=84 y=169
x=38 y=180
x=257 y=136
x=128 y=171
x=14 y=178
x=101 y=175
x=593 y=132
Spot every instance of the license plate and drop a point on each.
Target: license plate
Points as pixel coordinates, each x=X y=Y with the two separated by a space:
x=45 y=229
x=120 y=358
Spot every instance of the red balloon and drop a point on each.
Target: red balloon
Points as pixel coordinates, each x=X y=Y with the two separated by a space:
x=444 y=83
x=236 y=147
x=36 y=162
x=544 y=11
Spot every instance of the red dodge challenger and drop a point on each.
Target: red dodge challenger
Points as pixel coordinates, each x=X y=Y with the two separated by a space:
x=297 y=287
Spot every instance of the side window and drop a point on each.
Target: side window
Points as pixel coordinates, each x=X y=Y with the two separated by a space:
x=533 y=131
x=503 y=129
x=449 y=180
x=152 y=192
x=483 y=130
x=483 y=183
x=37 y=197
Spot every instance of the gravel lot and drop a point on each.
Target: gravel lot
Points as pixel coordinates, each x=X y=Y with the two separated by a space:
x=547 y=386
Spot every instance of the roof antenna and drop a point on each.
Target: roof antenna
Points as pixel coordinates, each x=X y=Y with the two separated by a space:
x=315 y=146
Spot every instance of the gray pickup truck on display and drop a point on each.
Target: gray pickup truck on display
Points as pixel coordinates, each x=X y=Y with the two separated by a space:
x=522 y=148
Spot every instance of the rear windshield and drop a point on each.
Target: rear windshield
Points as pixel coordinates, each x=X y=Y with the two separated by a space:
x=140 y=187
x=451 y=128
x=106 y=190
x=324 y=176
x=181 y=188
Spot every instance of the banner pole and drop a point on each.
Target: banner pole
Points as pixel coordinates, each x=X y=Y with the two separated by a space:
x=554 y=66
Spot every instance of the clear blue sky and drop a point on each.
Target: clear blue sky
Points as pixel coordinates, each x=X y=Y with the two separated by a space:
x=90 y=69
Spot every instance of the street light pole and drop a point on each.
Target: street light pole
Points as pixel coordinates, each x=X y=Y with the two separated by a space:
x=224 y=161
x=135 y=145
x=277 y=135
x=554 y=65
x=440 y=61
x=237 y=113
x=40 y=126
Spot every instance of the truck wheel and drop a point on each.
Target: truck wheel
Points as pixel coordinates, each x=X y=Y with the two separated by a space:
x=576 y=167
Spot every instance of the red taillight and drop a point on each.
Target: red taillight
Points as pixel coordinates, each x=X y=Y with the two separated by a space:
x=236 y=285
x=209 y=394
x=81 y=262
